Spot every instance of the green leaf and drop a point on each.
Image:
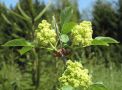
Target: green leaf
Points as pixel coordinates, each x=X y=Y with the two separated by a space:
x=66 y=15
x=16 y=27
x=18 y=42
x=23 y=13
x=5 y=18
x=67 y=87
x=97 y=87
x=107 y=39
x=19 y=16
x=99 y=42
x=103 y=41
x=64 y=38
x=25 y=49
x=42 y=12
x=67 y=27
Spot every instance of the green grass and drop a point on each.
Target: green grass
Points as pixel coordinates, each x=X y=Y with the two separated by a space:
x=111 y=77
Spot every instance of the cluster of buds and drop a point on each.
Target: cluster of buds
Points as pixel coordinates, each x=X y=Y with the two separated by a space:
x=75 y=75
x=82 y=34
x=45 y=34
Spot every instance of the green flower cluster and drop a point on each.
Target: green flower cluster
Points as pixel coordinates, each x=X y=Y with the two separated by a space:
x=82 y=34
x=75 y=75
x=45 y=34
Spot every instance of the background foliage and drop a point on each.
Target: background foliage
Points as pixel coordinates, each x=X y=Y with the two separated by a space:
x=104 y=61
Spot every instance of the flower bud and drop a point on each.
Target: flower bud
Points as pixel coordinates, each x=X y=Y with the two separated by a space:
x=75 y=75
x=45 y=34
x=82 y=34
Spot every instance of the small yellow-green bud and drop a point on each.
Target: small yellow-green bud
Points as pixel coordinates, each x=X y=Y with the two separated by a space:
x=44 y=24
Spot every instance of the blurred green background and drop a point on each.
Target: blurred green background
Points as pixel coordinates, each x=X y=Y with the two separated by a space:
x=104 y=63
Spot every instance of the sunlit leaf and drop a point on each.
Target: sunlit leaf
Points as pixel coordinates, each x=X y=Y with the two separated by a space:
x=66 y=15
x=67 y=27
x=99 y=42
x=18 y=42
x=64 y=38
x=97 y=87
x=103 y=41
x=107 y=39
x=25 y=49
x=67 y=87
